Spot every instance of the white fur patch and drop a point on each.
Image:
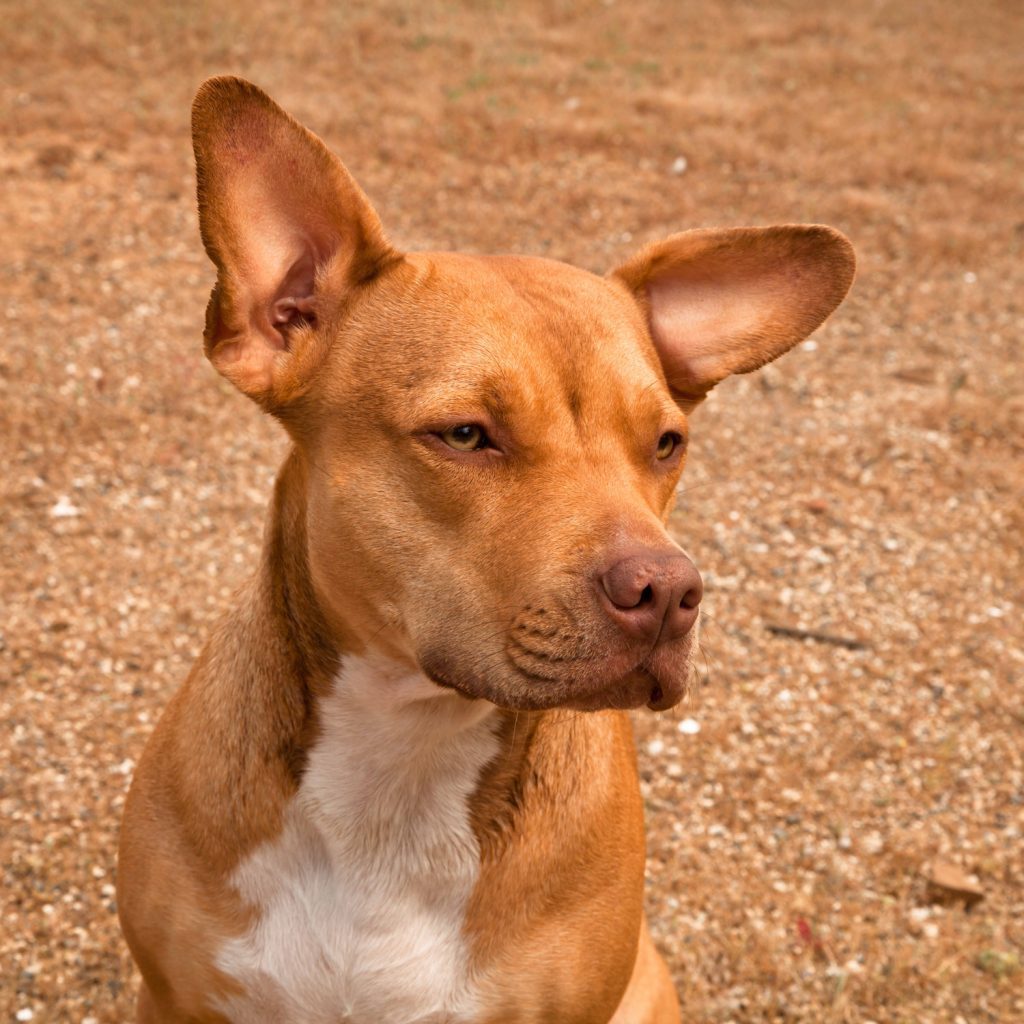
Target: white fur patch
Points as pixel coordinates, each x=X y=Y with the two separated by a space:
x=363 y=895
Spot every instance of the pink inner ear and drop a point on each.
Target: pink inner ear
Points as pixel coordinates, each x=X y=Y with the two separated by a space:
x=696 y=320
x=730 y=300
x=294 y=301
x=284 y=236
x=291 y=309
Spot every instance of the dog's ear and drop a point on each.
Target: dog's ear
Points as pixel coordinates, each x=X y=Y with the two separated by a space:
x=723 y=301
x=289 y=230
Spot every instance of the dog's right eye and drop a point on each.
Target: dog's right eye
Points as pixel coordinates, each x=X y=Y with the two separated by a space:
x=467 y=437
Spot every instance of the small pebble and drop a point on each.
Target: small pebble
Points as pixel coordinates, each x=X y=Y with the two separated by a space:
x=64 y=509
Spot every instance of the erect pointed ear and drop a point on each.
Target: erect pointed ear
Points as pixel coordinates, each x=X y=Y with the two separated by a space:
x=290 y=233
x=729 y=300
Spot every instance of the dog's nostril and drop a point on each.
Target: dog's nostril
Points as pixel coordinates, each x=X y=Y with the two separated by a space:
x=656 y=694
x=646 y=595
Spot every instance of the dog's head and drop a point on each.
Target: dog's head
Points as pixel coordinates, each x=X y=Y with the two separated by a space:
x=492 y=443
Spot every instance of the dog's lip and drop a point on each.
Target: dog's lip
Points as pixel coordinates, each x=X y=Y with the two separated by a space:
x=439 y=679
x=658 y=700
x=664 y=696
x=639 y=687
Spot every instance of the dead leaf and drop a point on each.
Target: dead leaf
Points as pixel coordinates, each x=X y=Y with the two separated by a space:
x=948 y=882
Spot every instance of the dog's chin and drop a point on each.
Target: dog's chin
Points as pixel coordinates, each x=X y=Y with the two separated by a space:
x=659 y=683
x=637 y=689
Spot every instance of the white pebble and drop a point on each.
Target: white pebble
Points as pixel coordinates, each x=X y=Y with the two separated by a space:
x=873 y=843
x=63 y=509
x=689 y=727
x=679 y=165
x=655 y=747
x=24 y=1014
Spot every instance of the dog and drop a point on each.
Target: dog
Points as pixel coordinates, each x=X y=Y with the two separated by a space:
x=399 y=784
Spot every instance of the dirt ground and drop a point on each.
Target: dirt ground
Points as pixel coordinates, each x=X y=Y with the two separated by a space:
x=868 y=487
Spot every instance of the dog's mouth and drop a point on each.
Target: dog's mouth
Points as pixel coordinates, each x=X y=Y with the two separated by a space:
x=657 y=682
x=639 y=688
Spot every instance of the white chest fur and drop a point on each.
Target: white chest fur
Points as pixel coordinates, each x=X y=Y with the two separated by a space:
x=362 y=897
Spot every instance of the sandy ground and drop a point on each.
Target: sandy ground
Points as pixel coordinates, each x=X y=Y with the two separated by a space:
x=867 y=487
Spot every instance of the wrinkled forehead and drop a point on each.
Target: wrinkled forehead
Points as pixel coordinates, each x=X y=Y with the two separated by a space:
x=520 y=331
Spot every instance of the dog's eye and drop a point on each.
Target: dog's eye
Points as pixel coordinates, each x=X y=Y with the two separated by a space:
x=668 y=443
x=467 y=437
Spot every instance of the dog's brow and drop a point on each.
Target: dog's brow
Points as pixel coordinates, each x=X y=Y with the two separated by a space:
x=652 y=399
x=464 y=397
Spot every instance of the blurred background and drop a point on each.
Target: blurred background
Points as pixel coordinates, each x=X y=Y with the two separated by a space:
x=836 y=816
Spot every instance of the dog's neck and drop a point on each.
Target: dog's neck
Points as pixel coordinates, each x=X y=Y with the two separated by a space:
x=390 y=738
x=285 y=585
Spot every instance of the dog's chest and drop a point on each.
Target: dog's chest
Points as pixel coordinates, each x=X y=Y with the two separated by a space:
x=361 y=899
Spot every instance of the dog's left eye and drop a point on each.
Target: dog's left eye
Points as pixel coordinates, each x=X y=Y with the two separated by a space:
x=668 y=443
x=467 y=437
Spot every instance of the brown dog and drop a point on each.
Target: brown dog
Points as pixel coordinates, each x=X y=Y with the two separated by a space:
x=375 y=800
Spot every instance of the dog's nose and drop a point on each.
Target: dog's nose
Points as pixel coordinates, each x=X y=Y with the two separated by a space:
x=652 y=595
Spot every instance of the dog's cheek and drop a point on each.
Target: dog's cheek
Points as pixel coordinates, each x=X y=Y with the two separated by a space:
x=355 y=564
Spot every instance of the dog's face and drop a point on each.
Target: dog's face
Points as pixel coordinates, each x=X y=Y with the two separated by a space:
x=508 y=424
x=492 y=443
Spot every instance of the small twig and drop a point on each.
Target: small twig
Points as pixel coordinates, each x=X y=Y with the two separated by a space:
x=795 y=633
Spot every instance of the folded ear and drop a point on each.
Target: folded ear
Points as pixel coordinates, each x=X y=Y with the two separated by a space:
x=289 y=230
x=729 y=300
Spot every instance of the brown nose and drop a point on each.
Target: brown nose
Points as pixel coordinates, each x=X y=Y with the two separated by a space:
x=652 y=595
